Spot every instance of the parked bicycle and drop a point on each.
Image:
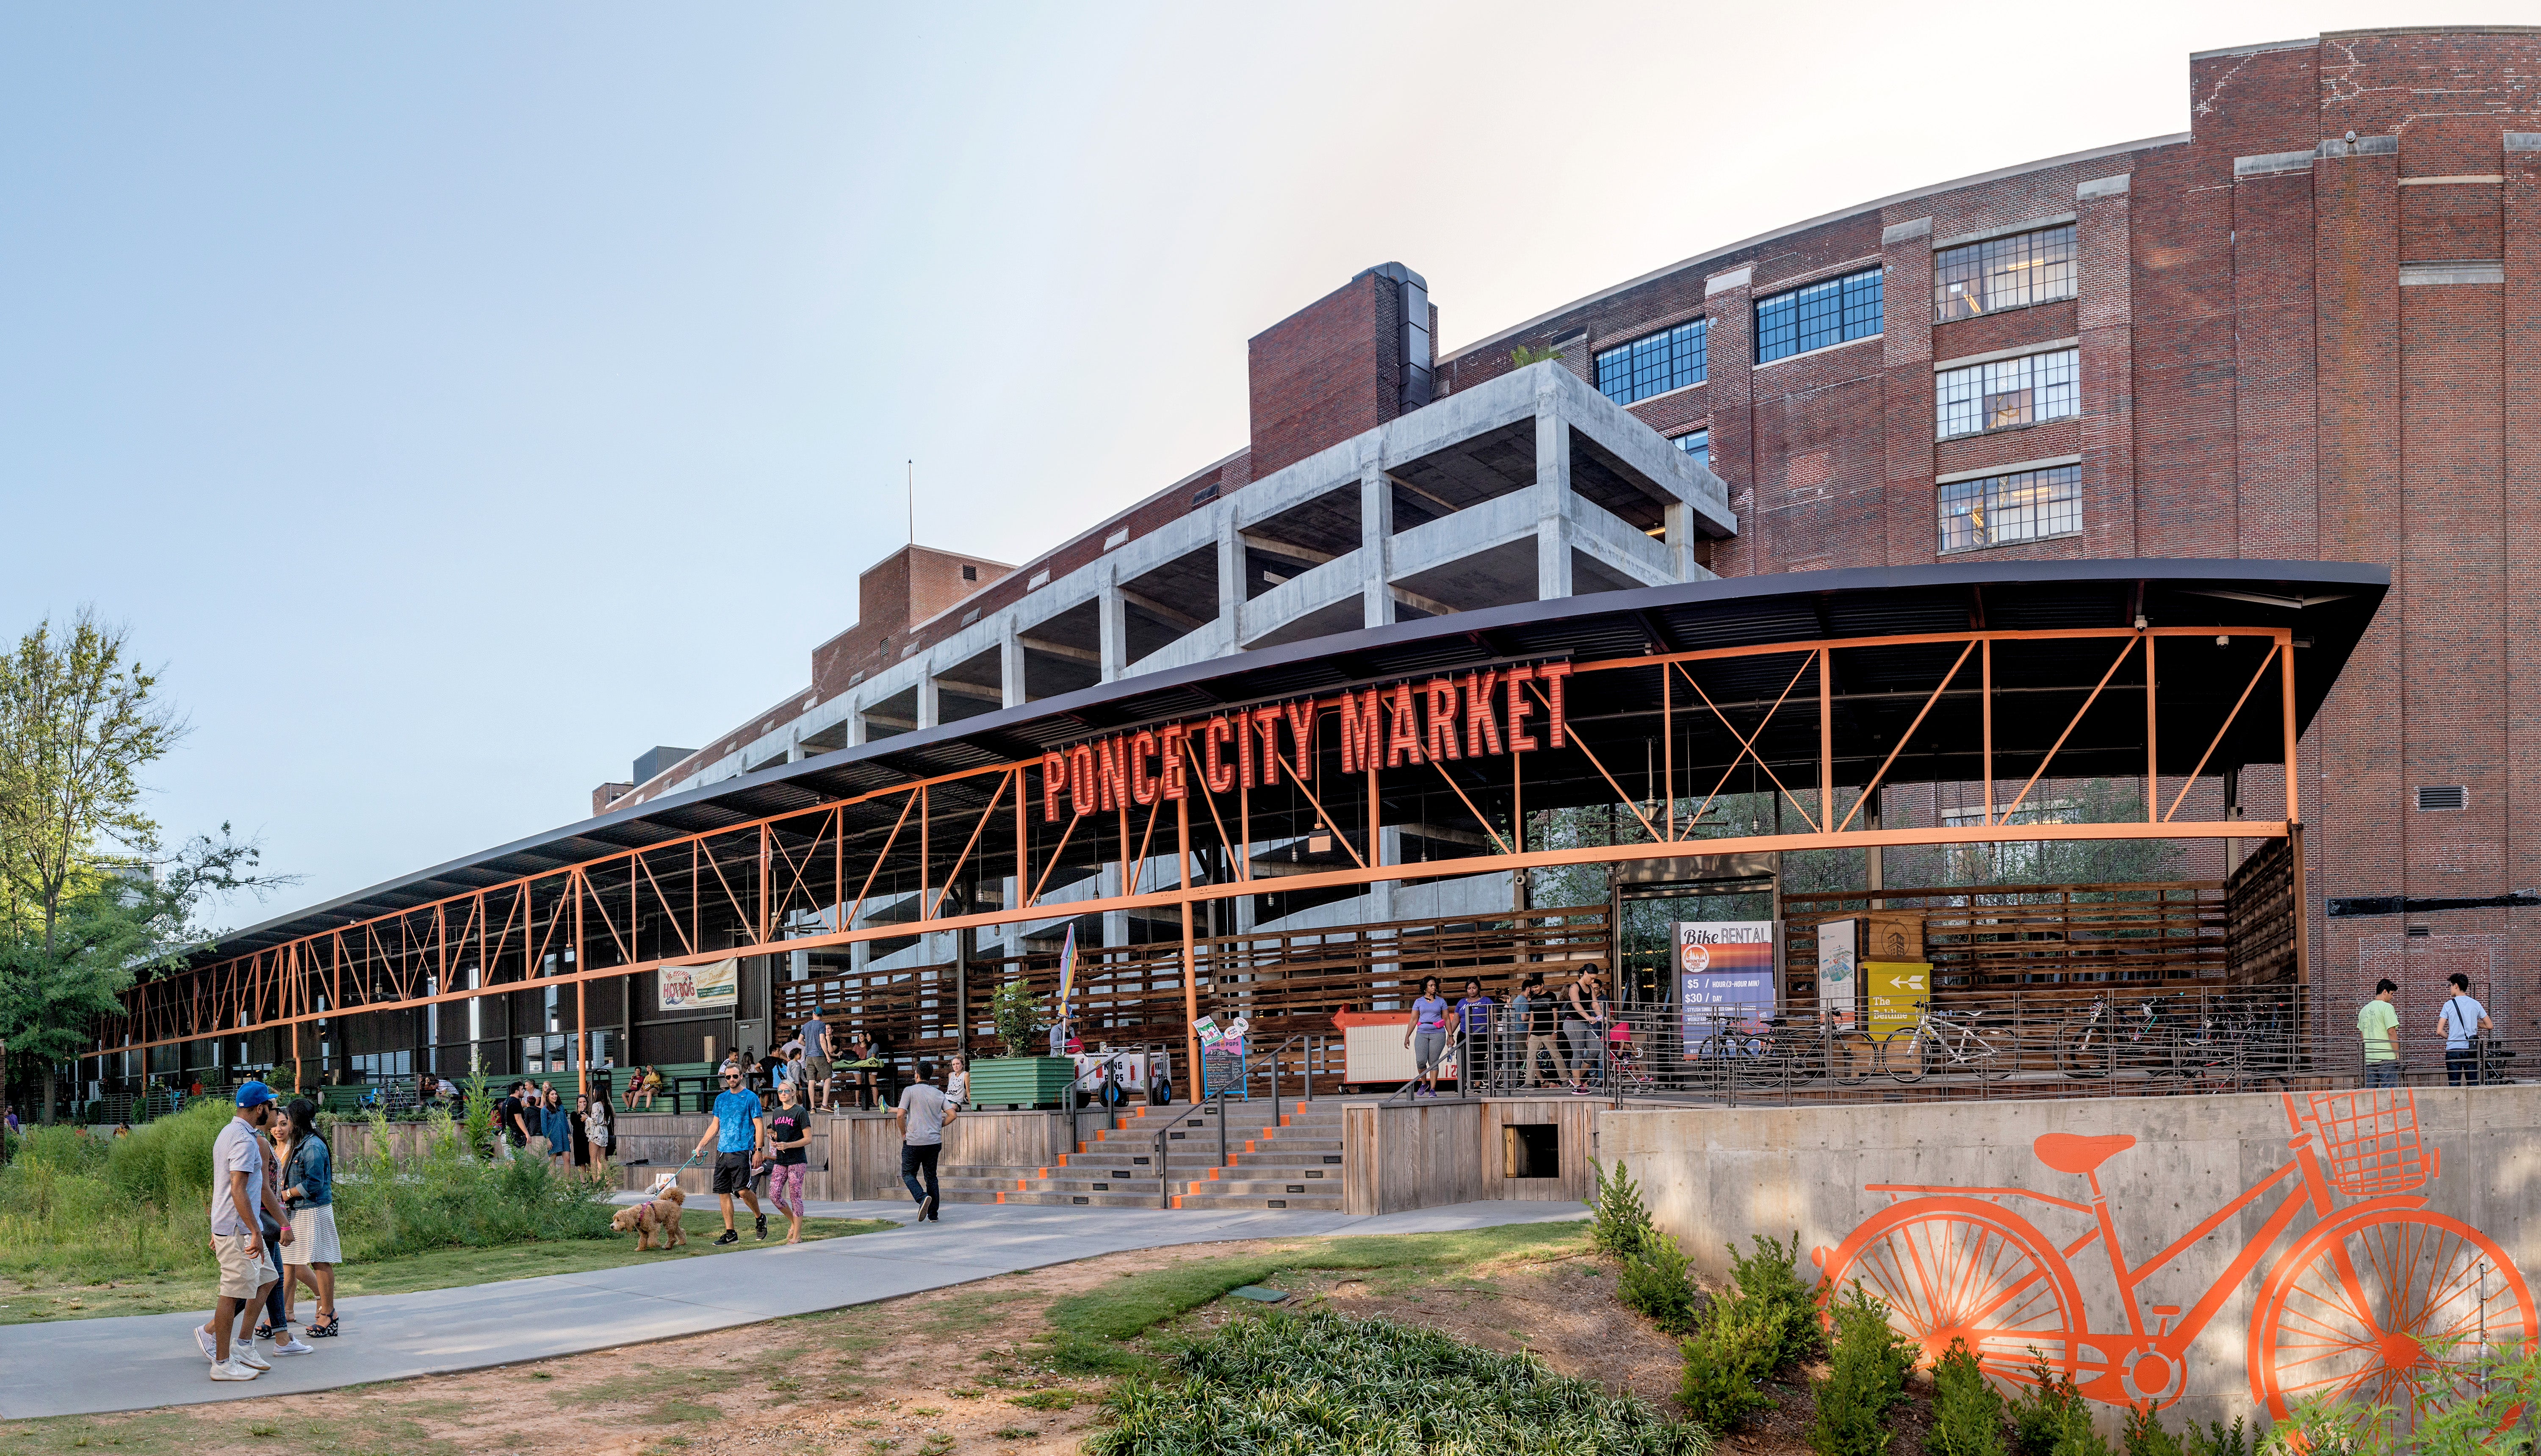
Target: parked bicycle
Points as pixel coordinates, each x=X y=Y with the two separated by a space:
x=1946 y=1042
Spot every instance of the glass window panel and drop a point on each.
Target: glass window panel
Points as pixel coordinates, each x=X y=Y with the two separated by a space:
x=1696 y=446
x=1821 y=315
x=2002 y=273
x=1672 y=359
x=1997 y=510
x=2007 y=394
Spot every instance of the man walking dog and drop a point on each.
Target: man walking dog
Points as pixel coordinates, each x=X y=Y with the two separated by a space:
x=248 y=1267
x=740 y=1136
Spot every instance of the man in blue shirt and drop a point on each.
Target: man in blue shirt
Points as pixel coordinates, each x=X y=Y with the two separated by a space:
x=740 y=1136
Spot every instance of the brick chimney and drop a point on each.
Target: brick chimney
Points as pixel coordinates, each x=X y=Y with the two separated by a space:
x=1343 y=364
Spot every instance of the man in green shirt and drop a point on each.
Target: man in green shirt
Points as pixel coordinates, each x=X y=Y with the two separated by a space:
x=2380 y=1025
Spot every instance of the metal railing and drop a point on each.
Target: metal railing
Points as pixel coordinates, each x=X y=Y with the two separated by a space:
x=2171 y=1043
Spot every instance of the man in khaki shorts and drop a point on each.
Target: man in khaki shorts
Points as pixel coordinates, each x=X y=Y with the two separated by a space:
x=246 y=1266
x=815 y=1057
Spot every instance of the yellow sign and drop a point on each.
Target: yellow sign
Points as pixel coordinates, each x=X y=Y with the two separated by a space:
x=1894 y=993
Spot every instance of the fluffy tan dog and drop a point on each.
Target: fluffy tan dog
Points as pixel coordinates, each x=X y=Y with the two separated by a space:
x=661 y=1214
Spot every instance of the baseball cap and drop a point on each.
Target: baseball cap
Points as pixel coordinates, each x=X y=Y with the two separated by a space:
x=253 y=1094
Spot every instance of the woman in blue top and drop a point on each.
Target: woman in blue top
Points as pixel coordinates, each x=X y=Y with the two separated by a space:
x=309 y=1192
x=1427 y=1036
x=557 y=1127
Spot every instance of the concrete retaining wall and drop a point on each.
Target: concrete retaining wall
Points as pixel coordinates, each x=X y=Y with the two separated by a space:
x=1953 y=1213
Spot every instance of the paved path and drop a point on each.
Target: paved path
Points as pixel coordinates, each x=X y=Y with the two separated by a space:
x=72 y=1367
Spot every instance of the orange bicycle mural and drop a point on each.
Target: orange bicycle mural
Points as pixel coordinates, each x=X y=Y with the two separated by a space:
x=2382 y=1298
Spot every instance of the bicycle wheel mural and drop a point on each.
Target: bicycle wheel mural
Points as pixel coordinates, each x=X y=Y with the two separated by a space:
x=2376 y=1297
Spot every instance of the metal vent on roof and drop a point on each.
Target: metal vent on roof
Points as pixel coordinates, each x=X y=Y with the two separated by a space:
x=1039 y=580
x=2439 y=796
x=1116 y=538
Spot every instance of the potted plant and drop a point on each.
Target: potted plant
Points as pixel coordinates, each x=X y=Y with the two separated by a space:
x=1020 y=1079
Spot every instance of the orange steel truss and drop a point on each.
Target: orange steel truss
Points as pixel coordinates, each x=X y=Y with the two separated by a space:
x=804 y=880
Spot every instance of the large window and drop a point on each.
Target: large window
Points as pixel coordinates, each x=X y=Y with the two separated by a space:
x=2006 y=394
x=1817 y=316
x=1697 y=447
x=2002 y=273
x=1997 y=510
x=1665 y=361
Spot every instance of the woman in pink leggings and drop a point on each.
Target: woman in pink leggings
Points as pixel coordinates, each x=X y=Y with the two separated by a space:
x=789 y=1133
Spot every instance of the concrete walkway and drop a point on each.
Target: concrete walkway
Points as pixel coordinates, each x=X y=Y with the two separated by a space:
x=73 y=1367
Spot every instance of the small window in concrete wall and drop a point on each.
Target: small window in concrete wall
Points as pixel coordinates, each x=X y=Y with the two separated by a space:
x=1531 y=1150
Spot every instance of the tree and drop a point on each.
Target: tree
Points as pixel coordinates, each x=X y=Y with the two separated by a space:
x=91 y=899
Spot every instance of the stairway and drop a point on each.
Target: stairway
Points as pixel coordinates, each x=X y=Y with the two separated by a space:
x=1294 y=1163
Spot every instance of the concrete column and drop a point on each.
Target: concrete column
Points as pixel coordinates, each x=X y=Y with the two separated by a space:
x=856 y=722
x=1552 y=501
x=1376 y=538
x=930 y=702
x=794 y=746
x=1230 y=576
x=1011 y=933
x=1114 y=624
x=1116 y=923
x=1680 y=539
x=1010 y=666
x=1380 y=895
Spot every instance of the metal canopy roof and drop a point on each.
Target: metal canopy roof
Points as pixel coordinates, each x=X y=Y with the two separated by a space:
x=2329 y=602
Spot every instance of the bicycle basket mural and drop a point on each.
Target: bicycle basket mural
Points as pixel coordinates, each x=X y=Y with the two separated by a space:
x=2372 y=1138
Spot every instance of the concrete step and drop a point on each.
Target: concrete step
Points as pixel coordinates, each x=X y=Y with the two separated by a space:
x=1263 y=1187
x=1315 y=1202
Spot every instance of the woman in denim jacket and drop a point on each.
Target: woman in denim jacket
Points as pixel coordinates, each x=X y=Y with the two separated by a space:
x=309 y=1192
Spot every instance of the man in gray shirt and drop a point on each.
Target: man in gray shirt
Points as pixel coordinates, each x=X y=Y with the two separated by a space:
x=923 y=1115
x=816 y=1058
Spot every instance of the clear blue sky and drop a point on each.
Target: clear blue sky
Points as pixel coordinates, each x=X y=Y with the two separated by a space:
x=461 y=399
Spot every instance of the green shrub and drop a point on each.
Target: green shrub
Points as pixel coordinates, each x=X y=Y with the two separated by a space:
x=1619 y=1223
x=1287 y=1385
x=2144 y=1435
x=2051 y=1419
x=1770 y=1278
x=1734 y=1346
x=1967 y=1411
x=2214 y=1440
x=1656 y=1283
x=1866 y=1379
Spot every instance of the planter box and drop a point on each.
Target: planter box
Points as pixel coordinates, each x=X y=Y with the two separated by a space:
x=1021 y=1081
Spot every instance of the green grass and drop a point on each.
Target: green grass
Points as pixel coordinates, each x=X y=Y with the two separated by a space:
x=26 y=1300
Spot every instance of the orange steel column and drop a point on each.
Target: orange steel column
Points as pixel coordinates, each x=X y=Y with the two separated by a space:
x=2286 y=675
x=581 y=1024
x=1826 y=742
x=1985 y=702
x=2153 y=741
x=1191 y=967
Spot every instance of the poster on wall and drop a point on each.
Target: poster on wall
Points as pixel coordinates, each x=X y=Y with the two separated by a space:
x=696 y=988
x=1894 y=994
x=1838 y=987
x=1724 y=970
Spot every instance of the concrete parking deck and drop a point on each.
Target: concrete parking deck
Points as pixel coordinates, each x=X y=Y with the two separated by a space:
x=76 y=1367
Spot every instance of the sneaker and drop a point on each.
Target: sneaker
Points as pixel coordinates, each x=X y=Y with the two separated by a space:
x=245 y=1354
x=762 y=1228
x=233 y=1370
x=287 y=1346
x=211 y=1346
x=926 y=1208
x=1577 y=1090
x=730 y=1236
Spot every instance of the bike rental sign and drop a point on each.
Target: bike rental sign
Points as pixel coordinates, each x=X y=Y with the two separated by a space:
x=1724 y=973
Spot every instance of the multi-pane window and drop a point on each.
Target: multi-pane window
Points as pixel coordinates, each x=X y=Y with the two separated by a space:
x=2006 y=394
x=2002 y=273
x=1697 y=447
x=1668 y=360
x=1822 y=314
x=1997 y=510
